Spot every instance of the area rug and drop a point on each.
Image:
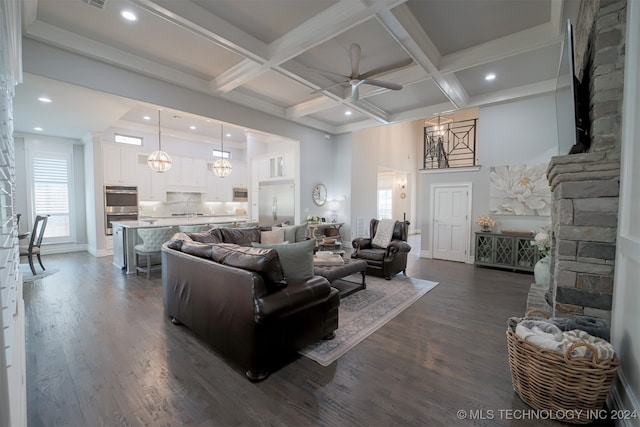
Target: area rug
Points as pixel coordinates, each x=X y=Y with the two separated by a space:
x=27 y=275
x=366 y=311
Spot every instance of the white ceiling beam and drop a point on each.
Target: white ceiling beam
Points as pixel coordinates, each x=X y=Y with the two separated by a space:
x=524 y=41
x=269 y=108
x=236 y=76
x=407 y=31
x=29 y=12
x=324 y=26
x=319 y=103
x=556 y=15
x=370 y=110
x=547 y=86
x=191 y=17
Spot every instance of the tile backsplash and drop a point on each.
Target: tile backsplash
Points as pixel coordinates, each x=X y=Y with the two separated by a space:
x=191 y=204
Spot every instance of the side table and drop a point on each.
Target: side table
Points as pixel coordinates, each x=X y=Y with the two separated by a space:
x=336 y=248
x=316 y=229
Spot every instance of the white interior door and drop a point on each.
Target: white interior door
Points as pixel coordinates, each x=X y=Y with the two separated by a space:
x=450 y=221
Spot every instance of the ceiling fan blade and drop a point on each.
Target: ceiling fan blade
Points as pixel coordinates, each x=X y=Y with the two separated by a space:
x=322 y=89
x=388 y=85
x=355 y=60
x=355 y=95
x=386 y=68
x=328 y=73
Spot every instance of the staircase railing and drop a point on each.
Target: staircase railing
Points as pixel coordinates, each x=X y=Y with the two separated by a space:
x=450 y=145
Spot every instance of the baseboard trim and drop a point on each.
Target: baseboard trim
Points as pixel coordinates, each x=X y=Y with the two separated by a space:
x=622 y=398
x=425 y=254
x=64 y=248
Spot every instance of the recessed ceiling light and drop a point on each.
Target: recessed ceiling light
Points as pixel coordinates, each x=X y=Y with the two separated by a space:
x=128 y=15
x=490 y=76
x=192 y=127
x=44 y=99
x=38 y=128
x=228 y=135
x=147 y=118
x=347 y=113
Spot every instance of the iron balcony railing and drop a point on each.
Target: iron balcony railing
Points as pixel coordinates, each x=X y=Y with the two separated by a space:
x=450 y=145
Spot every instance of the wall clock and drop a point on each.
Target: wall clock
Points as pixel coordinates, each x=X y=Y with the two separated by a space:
x=319 y=194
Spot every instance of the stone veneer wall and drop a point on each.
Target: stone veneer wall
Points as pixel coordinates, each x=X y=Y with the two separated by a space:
x=585 y=187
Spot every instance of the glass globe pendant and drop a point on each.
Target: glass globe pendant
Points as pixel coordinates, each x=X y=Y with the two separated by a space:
x=159 y=161
x=222 y=167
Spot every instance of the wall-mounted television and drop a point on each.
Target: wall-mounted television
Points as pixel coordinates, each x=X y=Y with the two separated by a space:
x=572 y=104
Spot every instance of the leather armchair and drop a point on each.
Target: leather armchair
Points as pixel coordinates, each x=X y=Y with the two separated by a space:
x=384 y=262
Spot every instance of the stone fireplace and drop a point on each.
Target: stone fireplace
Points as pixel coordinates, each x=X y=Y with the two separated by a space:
x=585 y=187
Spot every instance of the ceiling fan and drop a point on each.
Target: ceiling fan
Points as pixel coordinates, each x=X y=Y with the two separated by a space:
x=355 y=79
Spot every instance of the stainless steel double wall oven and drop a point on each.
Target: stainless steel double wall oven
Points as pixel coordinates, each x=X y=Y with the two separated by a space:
x=120 y=204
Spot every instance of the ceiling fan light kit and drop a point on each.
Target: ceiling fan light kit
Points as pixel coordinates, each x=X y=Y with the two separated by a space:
x=355 y=79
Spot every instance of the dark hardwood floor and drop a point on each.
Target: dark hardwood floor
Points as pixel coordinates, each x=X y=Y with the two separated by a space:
x=101 y=352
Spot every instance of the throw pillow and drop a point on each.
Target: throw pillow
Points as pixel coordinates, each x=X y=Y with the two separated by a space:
x=383 y=233
x=277 y=235
x=296 y=259
x=262 y=261
x=295 y=233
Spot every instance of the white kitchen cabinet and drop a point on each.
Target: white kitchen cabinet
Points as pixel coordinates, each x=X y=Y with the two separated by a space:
x=187 y=174
x=151 y=184
x=119 y=164
x=274 y=166
x=218 y=189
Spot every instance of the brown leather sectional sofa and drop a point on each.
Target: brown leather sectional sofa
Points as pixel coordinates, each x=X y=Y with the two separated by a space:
x=236 y=299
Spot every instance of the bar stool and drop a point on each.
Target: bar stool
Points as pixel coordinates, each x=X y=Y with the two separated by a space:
x=194 y=228
x=152 y=240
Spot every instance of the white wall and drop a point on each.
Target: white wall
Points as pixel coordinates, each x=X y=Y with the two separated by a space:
x=513 y=133
x=342 y=178
x=394 y=147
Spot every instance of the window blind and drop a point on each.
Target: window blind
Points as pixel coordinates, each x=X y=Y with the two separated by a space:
x=51 y=193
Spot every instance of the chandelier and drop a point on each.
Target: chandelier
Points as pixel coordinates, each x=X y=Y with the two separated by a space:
x=222 y=167
x=159 y=160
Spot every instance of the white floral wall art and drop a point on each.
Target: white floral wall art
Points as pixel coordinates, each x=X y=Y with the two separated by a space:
x=519 y=190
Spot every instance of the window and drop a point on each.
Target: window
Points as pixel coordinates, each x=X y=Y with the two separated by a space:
x=222 y=154
x=127 y=139
x=51 y=192
x=385 y=204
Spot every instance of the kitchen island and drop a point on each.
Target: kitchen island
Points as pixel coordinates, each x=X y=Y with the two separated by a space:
x=125 y=234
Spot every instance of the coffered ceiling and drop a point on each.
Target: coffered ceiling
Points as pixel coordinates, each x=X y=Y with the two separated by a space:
x=259 y=53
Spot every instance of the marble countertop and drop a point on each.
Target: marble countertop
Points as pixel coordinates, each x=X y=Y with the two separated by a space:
x=175 y=221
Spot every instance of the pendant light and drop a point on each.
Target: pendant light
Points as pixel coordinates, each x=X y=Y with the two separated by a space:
x=222 y=167
x=159 y=160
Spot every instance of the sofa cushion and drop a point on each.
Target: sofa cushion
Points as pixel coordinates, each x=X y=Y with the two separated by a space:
x=211 y=236
x=202 y=250
x=260 y=260
x=296 y=259
x=295 y=233
x=240 y=236
x=372 y=254
x=273 y=236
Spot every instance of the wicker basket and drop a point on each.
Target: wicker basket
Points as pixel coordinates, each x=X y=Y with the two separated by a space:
x=545 y=380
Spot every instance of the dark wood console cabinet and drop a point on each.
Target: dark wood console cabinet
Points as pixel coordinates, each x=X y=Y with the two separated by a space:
x=510 y=251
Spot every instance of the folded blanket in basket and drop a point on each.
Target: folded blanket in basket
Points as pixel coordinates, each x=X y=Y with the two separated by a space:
x=596 y=327
x=604 y=350
x=541 y=333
